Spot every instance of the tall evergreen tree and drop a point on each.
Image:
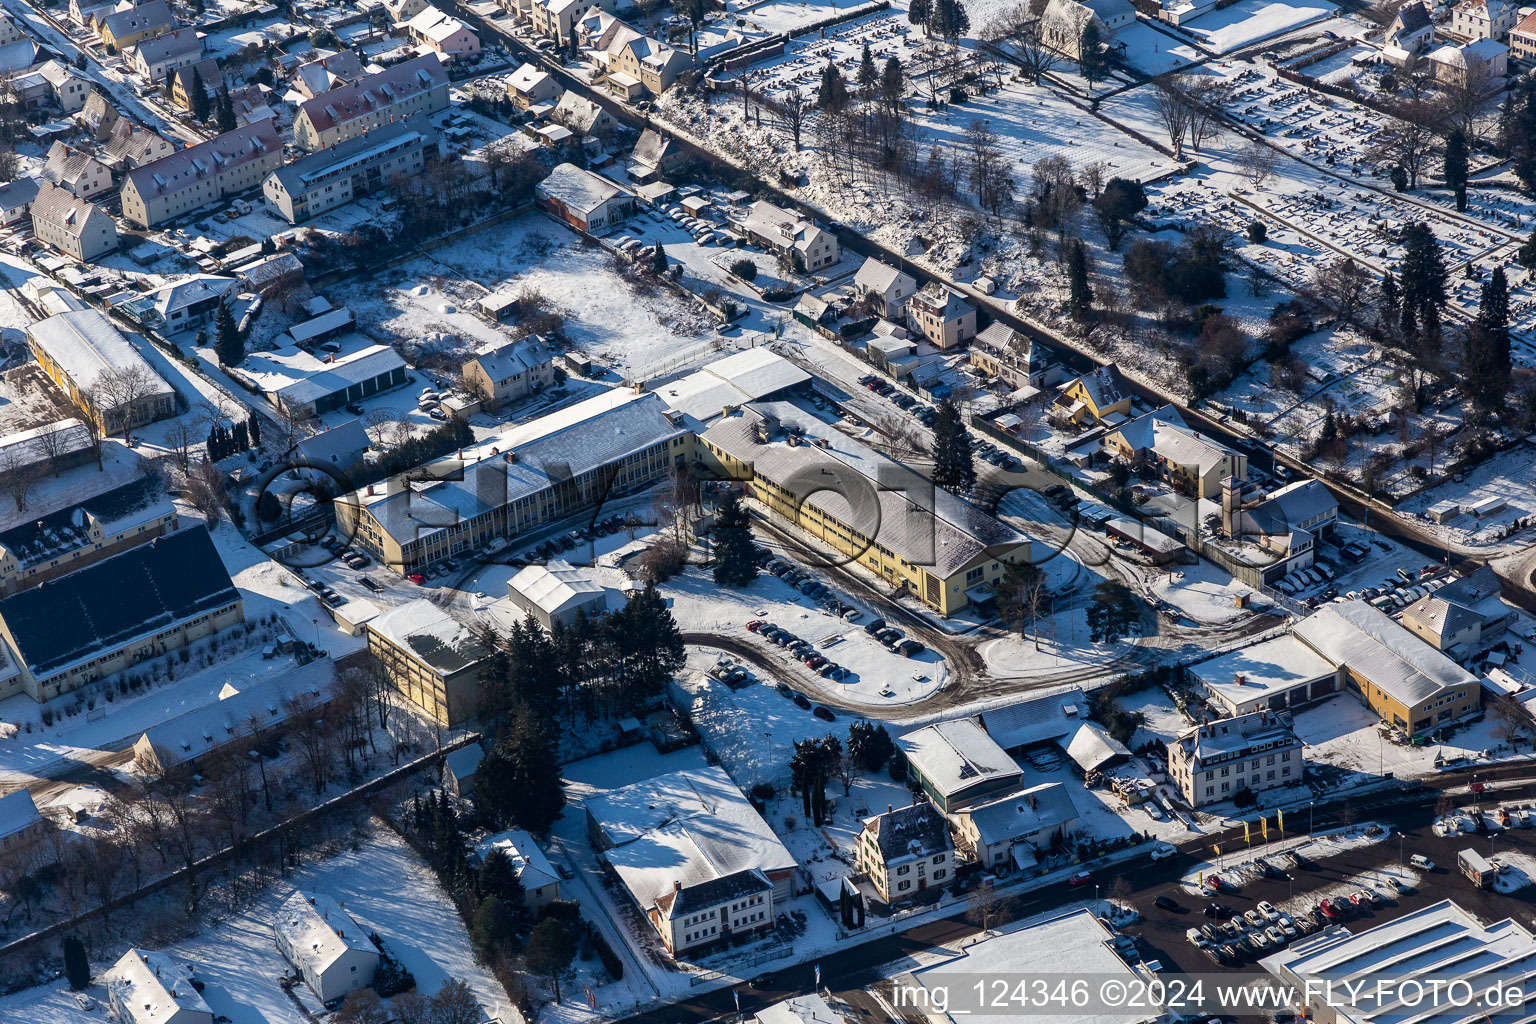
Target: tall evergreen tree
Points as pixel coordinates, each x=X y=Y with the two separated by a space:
x=953 y=466
x=77 y=967
x=498 y=878
x=1092 y=54
x=201 y=105
x=1112 y=612
x=659 y=262
x=1421 y=274
x=540 y=794
x=253 y=423
x=918 y=12
x=492 y=930
x=869 y=75
x=1487 y=345
x=1456 y=167
x=1080 y=298
x=948 y=20
x=735 y=554
x=228 y=345
x=226 y=110
x=833 y=93
x=892 y=84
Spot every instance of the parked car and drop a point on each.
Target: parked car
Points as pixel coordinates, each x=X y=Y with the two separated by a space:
x=1167 y=903
x=802 y=702
x=1080 y=879
x=824 y=713
x=910 y=648
x=1163 y=850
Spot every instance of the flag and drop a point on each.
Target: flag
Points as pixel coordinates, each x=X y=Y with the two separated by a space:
x=818 y=976
x=1264 y=827
x=1202 y=878
x=591 y=999
x=1247 y=836
x=737 y=994
x=1281 y=816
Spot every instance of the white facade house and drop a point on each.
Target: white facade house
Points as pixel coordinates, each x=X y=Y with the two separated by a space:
x=71 y=224
x=1216 y=761
x=328 y=949
x=152 y=988
x=78 y=172
x=586 y=201
x=1483 y=19
x=890 y=287
x=786 y=232
x=906 y=850
x=541 y=882
x=1411 y=29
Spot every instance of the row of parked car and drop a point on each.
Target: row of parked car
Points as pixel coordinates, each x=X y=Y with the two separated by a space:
x=809 y=586
x=986 y=451
x=893 y=639
x=803 y=650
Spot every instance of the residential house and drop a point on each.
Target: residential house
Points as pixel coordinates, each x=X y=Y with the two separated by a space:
x=326 y=947
x=1482 y=19
x=1216 y=761
x=130 y=146
x=1411 y=29
x=124 y=28
x=430 y=657
x=72 y=225
x=905 y=851
x=352 y=168
x=83 y=533
x=31 y=91
x=1522 y=39
x=652 y=63
x=86 y=13
x=98 y=116
x=941 y=315
x=1009 y=832
x=21 y=827
x=404 y=10
x=1287 y=524
x=199 y=175
x=181 y=594
x=1461 y=618
x=80 y=173
x=1098 y=396
x=653 y=155
x=557 y=594
x=326 y=73
x=788 y=234
x=541 y=882
x=189 y=78
x=529 y=86
x=183 y=305
x=68 y=87
x=555 y=18
x=1192 y=462
x=417 y=86
x=1479 y=65
x=890 y=288
x=1063 y=22
x=444 y=35
x=338 y=451
x=16 y=199
x=80 y=350
x=155 y=57
x=588 y=202
x=1410 y=685
x=511 y=370
x=459 y=768
x=10 y=32
x=1007 y=355
x=152 y=988
x=695 y=855
x=583 y=116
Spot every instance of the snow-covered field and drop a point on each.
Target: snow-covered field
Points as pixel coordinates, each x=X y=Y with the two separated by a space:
x=383 y=885
x=1253 y=21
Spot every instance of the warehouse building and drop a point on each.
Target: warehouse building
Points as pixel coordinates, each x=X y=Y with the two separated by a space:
x=556 y=593
x=91 y=361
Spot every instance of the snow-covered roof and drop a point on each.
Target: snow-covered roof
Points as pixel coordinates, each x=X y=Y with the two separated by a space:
x=438 y=639
x=528 y=860
x=66 y=164
x=578 y=188
x=177 y=43
x=340 y=446
x=17 y=811
x=759 y=372
x=512 y=357
x=556 y=587
x=153 y=988
x=1043 y=719
x=328 y=72
x=1104 y=385
x=382 y=89
x=1256 y=730
x=879 y=277
x=781 y=228
x=1298 y=502
x=184 y=168
x=1255 y=673
x=577 y=112
x=296 y=377
x=463 y=763
x=86 y=346
x=691 y=826
x=235 y=714
x=151 y=15
x=1410 y=18
x=527 y=78
x=524 y=460
x=318 y=930
x=942 y=301
x=1022 y=813
x=918 y=829
x=954 y=756
x=118 y=510
x=806 y=1009
x=16 y=194
x=63 y=209
x=651 y=148
x=944 y=534
x=1092 y=747
x=353 y=156
x=1355 y=634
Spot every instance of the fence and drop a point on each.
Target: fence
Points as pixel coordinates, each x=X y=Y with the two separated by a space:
x=751 y=960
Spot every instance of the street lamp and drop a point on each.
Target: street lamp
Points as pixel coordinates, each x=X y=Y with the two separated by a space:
x=1097 y=910
x=1310 y=805
x=1399 y=855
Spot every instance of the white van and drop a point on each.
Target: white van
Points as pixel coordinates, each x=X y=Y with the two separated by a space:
x=1418 y=860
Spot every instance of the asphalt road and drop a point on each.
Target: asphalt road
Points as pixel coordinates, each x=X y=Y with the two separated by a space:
x=851 y=973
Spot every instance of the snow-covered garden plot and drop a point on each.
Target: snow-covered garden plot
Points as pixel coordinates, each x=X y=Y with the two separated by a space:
x=604 y=315
x=384 y=886
x=1162 y=719
x=1509 y=476
x=1253 y=21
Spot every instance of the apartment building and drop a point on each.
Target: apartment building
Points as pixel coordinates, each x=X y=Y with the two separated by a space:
x=417 y=86
x=1216 y=761
x=72 y=225
x=208 y=172
x=334 y=177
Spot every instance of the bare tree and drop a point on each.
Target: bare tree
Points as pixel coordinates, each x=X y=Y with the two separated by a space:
x=203 y=487
x=1345 y=287
x=181 y=440
x=1410 y=137
x=51 y=446
x=313 y=737
x=1257 y=162
x=379 y=425
x=794 y=107
x=1172 y=109
x=986 y=906
x=18 y=473
x=118 y=390
x=1021 y=29
x=1207 y=95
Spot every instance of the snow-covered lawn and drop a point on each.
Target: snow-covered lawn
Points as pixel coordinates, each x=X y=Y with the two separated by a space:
x=1510 y=476
x=383 y=885
x=1252 y=21
x=1164 y=720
